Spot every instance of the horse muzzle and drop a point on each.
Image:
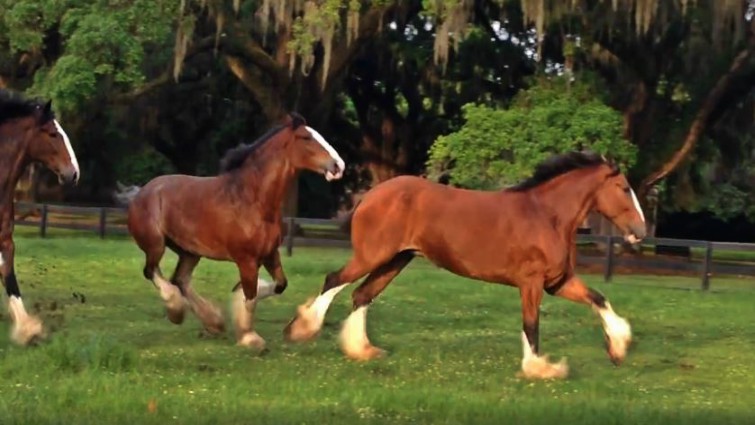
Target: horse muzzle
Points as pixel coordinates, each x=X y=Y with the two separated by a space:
x=68 y=176
x=333 y=169
x=635 y=232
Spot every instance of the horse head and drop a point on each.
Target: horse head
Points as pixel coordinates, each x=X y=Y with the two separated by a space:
x=48 y=144
x=309 y=149
x=616 y=200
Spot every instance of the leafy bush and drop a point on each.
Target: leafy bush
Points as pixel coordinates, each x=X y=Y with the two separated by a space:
x=500 y=147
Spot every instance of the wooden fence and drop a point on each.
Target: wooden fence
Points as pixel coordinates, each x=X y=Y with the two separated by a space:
x=594 y=250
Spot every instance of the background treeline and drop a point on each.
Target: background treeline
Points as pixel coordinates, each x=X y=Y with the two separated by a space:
x=470 y=92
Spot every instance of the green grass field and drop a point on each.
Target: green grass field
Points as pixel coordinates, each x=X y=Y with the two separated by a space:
x=453 y=345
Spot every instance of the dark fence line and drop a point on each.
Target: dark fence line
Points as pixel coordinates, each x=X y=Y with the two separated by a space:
x=308 y=232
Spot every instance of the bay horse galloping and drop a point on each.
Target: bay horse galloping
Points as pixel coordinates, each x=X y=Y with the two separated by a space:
x=235 y=216
x=523 y=236
x=29 y=133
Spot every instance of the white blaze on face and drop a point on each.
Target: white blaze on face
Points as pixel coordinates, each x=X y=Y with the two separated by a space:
x=341 y=165
x=69 y=148
x=637 y=205
x=1 y=259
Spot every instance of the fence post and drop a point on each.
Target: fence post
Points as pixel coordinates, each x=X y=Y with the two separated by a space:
x=707 y=265
x=43 y=222
x=103 y=222
x=609 y=259
x=290 y=236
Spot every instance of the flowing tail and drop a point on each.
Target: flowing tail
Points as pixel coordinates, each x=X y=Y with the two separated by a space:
x=345 y=225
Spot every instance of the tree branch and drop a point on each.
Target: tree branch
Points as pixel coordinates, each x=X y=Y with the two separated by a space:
x=166 y=77
x=702 y=119
x=267 y=97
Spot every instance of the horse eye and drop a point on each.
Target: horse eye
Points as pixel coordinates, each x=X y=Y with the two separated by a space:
x=627 y=189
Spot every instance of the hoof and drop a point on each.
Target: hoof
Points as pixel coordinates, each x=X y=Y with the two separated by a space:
x=365 y=353
x=28 y=332
x=303 y=327
x=252 y=340
x=617 y=349
x=175 y=316
x=211 y=317
x=215 y=328
x=538 y=367
x=175 y=304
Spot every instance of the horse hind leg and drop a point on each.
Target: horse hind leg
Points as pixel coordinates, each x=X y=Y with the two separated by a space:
x=616 y=329
x=354 y=341
x=208 y=313
x=310 y=316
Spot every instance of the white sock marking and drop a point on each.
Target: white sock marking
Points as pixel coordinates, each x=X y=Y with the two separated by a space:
x=538 y=367
x=355 y=328
x=265 y=289
x=341 y=165
x=1 y=260
x=69 y=148
x=637 y=205
x=617 y=328
x=322 y=302
x=17 y=309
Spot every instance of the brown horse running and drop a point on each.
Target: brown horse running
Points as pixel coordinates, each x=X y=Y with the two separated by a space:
x=29 y=133
x=235 y=216
x=523 y=236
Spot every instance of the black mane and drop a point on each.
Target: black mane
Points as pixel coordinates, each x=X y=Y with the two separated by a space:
x=235 y=157
x=13 y=105
x=558 y=165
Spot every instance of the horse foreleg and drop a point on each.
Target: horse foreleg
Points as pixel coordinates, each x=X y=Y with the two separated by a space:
x=272 y=264
x=535 y=366
x=26 y=328
x=207 y=312
x=152 y=242
x=243 y=304
x=617 y=331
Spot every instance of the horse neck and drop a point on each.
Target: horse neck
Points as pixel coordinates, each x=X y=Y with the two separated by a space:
x=569 y=198
x=267 y=178
x=13 y=161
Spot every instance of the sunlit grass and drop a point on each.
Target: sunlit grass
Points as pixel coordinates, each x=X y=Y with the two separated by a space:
x=453 y=350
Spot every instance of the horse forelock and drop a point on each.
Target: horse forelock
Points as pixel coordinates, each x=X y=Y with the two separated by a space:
x=558 y=165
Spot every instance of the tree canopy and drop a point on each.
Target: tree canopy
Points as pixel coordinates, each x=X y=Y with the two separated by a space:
x=399 y=86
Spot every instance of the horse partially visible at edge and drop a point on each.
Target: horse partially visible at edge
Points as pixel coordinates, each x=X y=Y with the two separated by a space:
x=235 y=216
x=523 y=236
x=29 y=133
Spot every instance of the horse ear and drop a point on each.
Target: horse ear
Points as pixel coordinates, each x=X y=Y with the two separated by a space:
x=297 y=120
x=286 y=120
x=44 y=112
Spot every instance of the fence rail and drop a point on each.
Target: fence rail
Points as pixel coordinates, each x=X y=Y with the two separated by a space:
x=300 y=232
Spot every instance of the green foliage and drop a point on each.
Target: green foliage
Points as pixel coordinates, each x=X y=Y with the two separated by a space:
x=728 y=201
x=143 y=166
x=499 y=147
x=104 y=45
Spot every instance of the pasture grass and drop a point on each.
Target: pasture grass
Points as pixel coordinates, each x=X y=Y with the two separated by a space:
x=454 y=350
